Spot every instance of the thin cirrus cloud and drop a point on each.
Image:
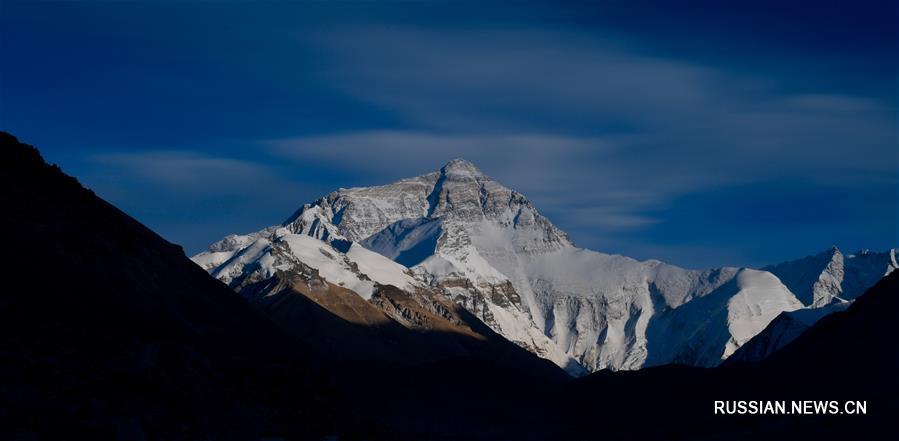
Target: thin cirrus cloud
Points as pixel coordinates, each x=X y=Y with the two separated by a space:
x=517 y=81
x=642 y=133
x=386 y=152
x=187 y=173
x=194 y=198
x=602 y=135
x=508 y=80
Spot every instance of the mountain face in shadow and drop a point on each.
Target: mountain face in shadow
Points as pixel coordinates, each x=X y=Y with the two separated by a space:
x=109 y=331
x=392 y=327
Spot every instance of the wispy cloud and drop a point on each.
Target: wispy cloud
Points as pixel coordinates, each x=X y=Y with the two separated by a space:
x=194 y=198
x=387 y=152
x=598 y=133
x=608 y=116
x=186 y=172
x=464 y=81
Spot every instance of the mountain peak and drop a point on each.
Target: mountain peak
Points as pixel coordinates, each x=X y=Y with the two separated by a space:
x=462 y=167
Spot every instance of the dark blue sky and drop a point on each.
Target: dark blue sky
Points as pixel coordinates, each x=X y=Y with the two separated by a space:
x=703 y=133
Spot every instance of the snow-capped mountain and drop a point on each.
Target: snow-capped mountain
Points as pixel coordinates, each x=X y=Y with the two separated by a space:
x=832 y=276
x=463 y=235
x=827 y=282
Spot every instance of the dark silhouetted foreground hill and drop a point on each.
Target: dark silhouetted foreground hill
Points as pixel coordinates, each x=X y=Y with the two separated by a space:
x=109 y=331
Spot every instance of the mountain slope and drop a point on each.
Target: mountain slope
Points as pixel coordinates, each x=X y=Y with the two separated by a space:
x=847 y=355
x=781 y=331
x=857 y=340
x=109 y=331
x=458 y=232
x=731 y=315
x=821 y=279
x=827 y=282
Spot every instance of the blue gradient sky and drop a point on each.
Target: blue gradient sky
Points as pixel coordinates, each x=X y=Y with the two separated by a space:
x=703 y=133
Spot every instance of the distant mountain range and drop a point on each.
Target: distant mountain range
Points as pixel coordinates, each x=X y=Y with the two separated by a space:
x=107 y=331
x=457 y=234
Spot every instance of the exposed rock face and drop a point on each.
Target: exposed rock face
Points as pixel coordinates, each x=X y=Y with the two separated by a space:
x=827 y=282
x=488 y=249
x=830 y=276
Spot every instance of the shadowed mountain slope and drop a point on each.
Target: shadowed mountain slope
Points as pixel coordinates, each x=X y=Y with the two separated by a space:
x=109 y=331
x=854 y=349
x=393 y=326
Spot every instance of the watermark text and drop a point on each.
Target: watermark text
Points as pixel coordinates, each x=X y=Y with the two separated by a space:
x=791 y=407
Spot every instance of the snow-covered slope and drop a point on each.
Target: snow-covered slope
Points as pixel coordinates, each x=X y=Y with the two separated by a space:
x=710 y=328
x=782 y=330
x=458 y=232
x=827 y=282
x=358 y=269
